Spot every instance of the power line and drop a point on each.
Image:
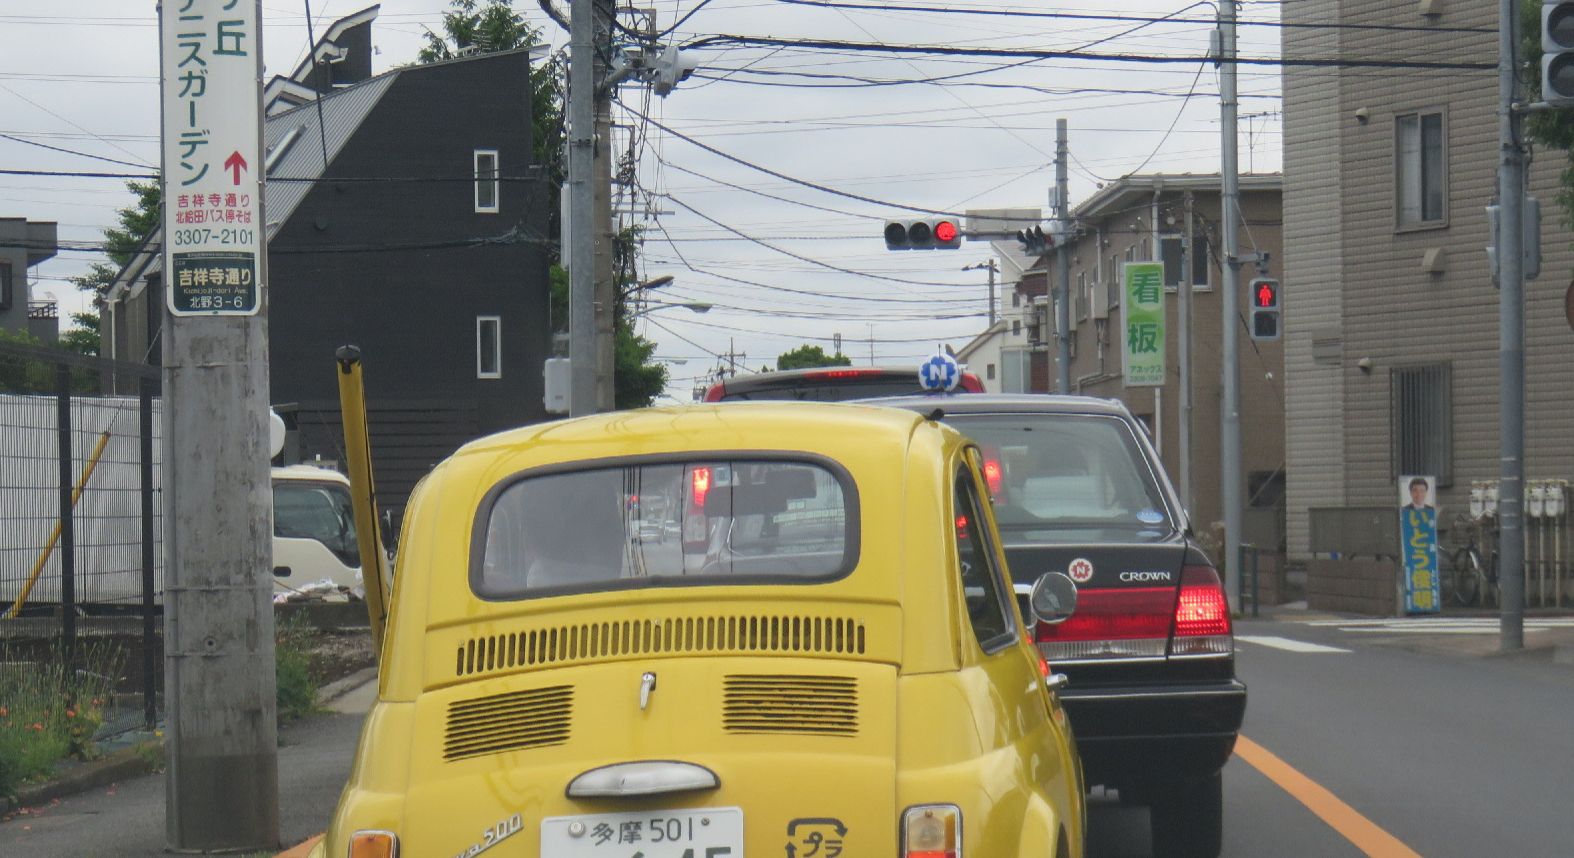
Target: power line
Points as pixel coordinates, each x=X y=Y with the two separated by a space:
x=1079 y=16
x=955 y=51
x=75 y=152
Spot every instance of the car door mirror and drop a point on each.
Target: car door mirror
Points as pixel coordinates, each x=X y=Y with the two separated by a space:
x=1054 y=598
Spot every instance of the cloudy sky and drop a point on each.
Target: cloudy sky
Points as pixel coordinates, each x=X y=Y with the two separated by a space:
x=81 y=75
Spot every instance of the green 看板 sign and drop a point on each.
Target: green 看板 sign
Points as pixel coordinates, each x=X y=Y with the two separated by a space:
x=1142 y=351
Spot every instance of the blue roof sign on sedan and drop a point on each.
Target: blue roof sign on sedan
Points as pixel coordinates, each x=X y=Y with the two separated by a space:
x=939 y=373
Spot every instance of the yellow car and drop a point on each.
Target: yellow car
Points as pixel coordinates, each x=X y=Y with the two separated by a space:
x=749 y=629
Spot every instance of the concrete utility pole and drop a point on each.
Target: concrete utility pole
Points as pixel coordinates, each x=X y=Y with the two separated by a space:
x=1511 y=338
x=1229 y=294
x=1188 y=264
x=606 y=289
x=581 y=254
x=222 y=788
x=1062 y=265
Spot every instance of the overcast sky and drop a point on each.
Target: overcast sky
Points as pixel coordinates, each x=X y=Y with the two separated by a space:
x=82 y=75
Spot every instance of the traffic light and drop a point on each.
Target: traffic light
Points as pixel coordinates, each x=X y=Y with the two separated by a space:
x=934 y=234
x=1557 y=52
x=1265 y=309
x=1033 y=239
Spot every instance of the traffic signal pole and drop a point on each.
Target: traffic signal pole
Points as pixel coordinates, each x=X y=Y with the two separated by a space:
x=1511 y=338
x=1230 y=417
x=1062 y=266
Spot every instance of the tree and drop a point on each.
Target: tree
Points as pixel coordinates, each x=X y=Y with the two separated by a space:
x=806 y=357
x=636 y=379
x=120 y=244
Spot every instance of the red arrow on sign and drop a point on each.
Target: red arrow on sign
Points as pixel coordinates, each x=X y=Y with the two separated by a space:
x=235 y=163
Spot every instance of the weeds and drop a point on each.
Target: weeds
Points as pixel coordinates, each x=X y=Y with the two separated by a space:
x=297 y=684
x=50 y=711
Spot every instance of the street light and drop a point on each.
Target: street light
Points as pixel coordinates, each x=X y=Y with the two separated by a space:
x=653 y=283
x=653 y=306
x=991 y=266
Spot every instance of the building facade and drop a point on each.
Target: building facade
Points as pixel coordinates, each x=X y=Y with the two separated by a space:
x=23 y=244
x=1391 y=348
x=1142 y=219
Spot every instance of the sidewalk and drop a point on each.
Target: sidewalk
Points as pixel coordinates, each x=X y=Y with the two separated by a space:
x=1549 y=645
x=127 y=819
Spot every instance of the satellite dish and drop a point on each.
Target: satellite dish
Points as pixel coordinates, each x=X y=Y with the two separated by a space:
x=275 y=434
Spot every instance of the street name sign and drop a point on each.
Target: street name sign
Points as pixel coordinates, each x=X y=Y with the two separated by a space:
x=212 y=139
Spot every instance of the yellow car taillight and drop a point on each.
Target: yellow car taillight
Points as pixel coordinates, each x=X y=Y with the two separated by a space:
x=932 y=831
x=374 y=844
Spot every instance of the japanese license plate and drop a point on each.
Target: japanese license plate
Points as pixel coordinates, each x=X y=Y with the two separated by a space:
x=712 y=832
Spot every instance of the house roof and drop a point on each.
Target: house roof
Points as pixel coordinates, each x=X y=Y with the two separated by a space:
x=1118 y=194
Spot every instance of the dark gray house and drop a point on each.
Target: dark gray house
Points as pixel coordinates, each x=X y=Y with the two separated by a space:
x=404 y=216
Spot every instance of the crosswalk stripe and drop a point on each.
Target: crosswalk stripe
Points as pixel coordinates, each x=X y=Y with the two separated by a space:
x=1288 y=644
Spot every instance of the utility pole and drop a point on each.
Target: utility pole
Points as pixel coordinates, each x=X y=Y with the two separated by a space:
x=1511 y=338
x=1230 y=200
x=1062 y=265
x=606 y=288
x=583 y=388
x=1188 y=264
x=222 y=788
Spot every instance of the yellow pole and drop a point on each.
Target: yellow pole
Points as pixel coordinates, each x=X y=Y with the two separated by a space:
x=363 y=494
x=54 y=536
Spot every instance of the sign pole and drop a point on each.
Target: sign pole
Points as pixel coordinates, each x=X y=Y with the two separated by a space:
x=222 y=791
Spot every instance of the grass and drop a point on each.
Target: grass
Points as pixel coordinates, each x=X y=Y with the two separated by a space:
x=50 y=711
x=297 y=682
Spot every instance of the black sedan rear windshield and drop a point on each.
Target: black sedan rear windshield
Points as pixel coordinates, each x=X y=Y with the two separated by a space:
x=698 y=522
x=1067 y=478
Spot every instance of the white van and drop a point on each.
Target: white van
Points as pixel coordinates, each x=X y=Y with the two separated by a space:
x=314 y=547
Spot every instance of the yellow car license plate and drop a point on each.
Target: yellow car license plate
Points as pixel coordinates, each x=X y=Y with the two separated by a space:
x=713 y=832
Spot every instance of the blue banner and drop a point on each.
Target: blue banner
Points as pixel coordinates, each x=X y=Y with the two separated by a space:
x=1418 y=537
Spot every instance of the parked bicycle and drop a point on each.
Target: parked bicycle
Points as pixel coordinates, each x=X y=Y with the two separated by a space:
x=1474 y=565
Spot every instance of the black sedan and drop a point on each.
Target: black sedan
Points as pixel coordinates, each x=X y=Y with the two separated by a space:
x=1150 y=651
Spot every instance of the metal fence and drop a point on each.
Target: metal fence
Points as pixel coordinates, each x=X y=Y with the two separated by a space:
x=79 y=514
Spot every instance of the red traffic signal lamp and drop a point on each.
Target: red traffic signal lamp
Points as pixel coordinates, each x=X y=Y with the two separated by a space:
x=932 y=234
x=1267 y=323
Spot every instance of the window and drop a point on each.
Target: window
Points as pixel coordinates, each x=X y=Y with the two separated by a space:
x=1421 y=421
x=1069 y=479
x=989 y=372
x=1015 y=373
x=702 y=521
x=1016 y=327
x=5 y=285
x=320 y=511
x=1016 y=299
x=488 y=347
x=981 y=587
x=486 y=181
x=1420 y=170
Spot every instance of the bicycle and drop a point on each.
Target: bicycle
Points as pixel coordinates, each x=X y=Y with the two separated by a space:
x=1474 y=571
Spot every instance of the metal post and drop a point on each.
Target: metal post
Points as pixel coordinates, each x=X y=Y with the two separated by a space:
x=1188 y=261
x=992 y=269
x=1230 y=417
x=581 y=209
x=1062 y=265
x=145 y=461
x=1511 y=339
x=1256 y=580
x=68 y=566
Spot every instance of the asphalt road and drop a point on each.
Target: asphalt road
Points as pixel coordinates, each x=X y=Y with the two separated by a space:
x=1403 y=746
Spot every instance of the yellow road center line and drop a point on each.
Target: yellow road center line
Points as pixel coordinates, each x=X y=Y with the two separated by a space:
x=301 y=850
x=1360 y=831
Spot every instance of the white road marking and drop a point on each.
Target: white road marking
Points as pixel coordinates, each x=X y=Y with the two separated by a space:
x=1440 y=625
x=1288 y=644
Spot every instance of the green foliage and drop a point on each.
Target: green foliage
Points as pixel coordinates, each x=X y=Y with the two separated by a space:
x=292 y=660
x=51 y=710
x=1553 y=128
x=636 y=381
x=806 y=357
x=84 y=338
x=23 y=375
x=121 y=242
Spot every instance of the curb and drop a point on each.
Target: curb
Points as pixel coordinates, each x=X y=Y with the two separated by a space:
x=340 y=687
x=116 y=767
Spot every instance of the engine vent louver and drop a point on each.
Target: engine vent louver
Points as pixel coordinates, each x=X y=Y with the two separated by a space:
x=508 y=722
x=812 y=705
x=706 y=634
